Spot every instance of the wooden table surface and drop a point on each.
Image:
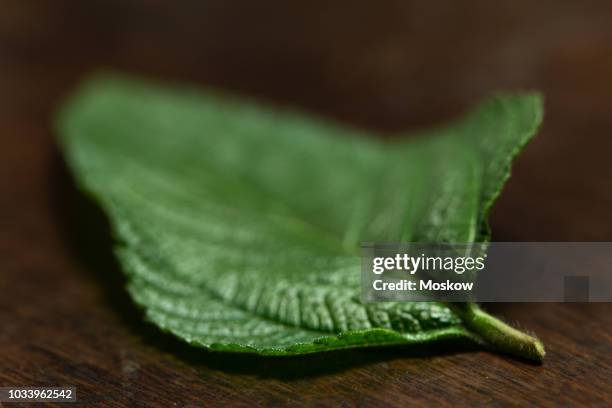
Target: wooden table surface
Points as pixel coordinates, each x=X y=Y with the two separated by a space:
x=390 y=65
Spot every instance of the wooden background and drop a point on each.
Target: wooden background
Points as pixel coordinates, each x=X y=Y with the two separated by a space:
x=386 y=65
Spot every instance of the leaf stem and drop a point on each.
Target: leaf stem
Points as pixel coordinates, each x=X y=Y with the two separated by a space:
x=498 y=334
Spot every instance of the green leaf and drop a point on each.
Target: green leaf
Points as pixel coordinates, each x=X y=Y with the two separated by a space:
x=239 y=225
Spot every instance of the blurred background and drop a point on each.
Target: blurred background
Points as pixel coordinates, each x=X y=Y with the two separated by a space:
x=384 y=65
x=392 y=65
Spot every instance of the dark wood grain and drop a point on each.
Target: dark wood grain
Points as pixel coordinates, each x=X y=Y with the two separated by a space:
x=388 y=65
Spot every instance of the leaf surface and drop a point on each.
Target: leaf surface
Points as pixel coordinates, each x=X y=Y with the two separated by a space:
x=239 y=225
